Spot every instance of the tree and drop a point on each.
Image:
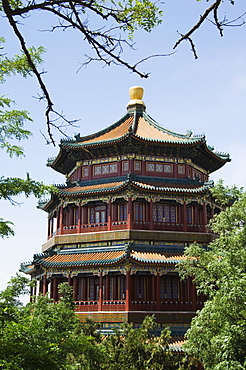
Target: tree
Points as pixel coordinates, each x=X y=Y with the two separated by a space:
x=115 y=23
x=106 y=39
x=128 y=16
x=47 y=335
x=139 y=348
x=218 y=333
x=12 y=130
x=219 y=22
x=43 y=335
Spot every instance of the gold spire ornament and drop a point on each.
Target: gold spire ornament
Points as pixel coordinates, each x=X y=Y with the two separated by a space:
x=136 y=95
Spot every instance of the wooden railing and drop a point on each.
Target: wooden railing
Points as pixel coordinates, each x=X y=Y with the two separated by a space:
x=120 y=305
x=122 y=225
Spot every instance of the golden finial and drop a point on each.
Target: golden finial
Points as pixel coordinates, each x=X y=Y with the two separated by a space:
x=136 y=95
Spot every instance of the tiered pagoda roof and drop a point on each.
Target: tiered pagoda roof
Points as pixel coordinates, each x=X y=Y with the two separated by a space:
x=99 y=256
x=134 y=129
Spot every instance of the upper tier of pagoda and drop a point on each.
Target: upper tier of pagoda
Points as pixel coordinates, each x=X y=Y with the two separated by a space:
x=136 y=132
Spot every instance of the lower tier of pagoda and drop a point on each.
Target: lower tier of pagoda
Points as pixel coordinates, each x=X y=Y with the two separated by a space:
x=126 y=292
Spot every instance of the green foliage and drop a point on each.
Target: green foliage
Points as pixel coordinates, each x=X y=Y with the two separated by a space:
x=135 y=14
x=10 y=187
x=218 y=333
x=139 y=348
x=18 y=64
x=226 y=195
x=11 y=120
x=43 y=335
x=12 y=129
x=47 y=335
x=5 y=228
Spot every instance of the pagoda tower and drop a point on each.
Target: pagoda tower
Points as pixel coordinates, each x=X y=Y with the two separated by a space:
x=136 y=194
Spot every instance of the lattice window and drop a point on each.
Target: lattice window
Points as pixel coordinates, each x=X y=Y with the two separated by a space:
x=190 y=215
x=164 y=213
x=105 y=168
x=137 y=166
x=122 y=212
x=181 y=169
x=125 y=166
x=76 y=216
x=92 y=219
x=93 y=288
x=113 y=167
x=169 y=287
x=139 y=212
x=85 y=171
x=111 y=287
x=139 y=287
x=160 y=213
x=98 y=214
x=168 y=168
x=122 y=287
x=97 y=170
x=155 y=213
x=173 y=214
x=159 y=167
x=150 y=167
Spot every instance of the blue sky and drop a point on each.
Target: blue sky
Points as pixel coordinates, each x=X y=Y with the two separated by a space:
x=206 y=96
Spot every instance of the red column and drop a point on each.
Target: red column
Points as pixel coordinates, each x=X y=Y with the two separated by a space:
x=100 y=301
x=61 y=220
x=107 y=287
x=128 y=279
x=90 y=171
x=55 y=289
x=45 y=285
x=185 y=217
x=131 y=166
x=51 y=288
x=109 y=215
x=175 y=170
x=79 y=219
x=129 y=213
x=158 y=292
x=151 y=221
x=205 y=217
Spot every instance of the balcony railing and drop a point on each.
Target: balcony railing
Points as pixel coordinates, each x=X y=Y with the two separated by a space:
x=136 y=305
x=122 y=225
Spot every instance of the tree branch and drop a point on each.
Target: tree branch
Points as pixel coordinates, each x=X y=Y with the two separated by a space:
x=214 y=8
x=49 y=107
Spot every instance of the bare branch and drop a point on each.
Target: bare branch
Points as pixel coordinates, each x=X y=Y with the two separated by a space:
x=153 y=56
x=72 y=14
x=187 y=36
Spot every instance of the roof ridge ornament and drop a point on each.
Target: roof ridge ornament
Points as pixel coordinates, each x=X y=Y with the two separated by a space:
x=136 y=102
